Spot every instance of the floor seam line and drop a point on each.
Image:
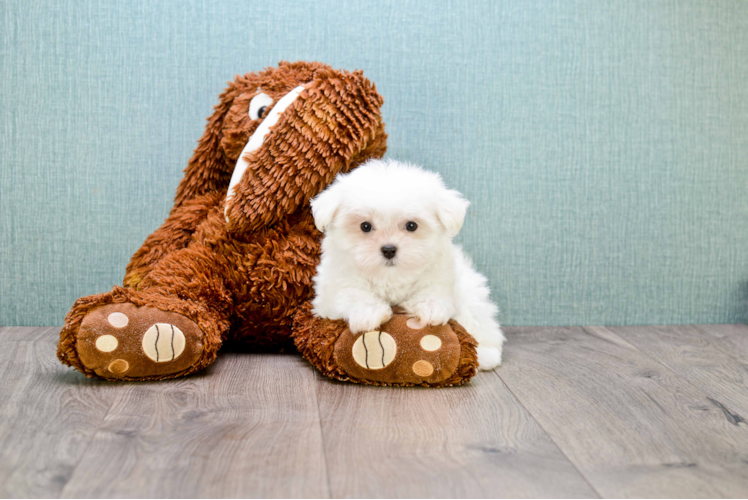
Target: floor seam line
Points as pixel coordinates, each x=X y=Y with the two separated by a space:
x=584 y=477
x=88 y=445
x=90 y=440
x=317 y=381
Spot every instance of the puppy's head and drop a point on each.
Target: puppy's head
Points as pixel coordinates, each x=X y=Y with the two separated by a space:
x=389 y=216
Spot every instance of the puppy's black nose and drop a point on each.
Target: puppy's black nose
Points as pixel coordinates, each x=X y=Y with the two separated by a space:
x=389 y=251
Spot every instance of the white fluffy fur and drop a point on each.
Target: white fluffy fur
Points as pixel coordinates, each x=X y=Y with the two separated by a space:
x=429 y=276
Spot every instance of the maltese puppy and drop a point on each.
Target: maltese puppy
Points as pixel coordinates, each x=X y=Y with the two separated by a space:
x=388 y=229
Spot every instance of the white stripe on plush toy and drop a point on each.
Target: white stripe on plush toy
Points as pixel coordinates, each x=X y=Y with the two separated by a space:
x=256 y=140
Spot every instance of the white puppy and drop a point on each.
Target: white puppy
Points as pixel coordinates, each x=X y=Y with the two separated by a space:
x=388 y=230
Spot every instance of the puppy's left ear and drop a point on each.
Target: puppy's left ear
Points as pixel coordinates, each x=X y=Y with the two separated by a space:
x=450 y=210
x=325 y=205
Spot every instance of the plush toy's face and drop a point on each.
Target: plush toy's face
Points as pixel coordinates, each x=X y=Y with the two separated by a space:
x=256 y=95
x=287 y=131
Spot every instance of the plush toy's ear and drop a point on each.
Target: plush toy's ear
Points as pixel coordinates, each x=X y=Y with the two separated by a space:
x=208 y=170
x=325 y=205
x=451 y=208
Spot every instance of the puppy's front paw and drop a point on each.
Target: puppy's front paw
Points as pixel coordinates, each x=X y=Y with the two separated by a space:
x=369 y=318
x=488 y=357
x=431 y=312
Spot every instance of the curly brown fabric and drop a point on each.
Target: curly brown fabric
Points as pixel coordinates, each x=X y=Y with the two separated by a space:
x=241 y=273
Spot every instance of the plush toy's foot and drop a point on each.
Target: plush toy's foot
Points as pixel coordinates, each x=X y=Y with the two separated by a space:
x=111 y=337
x=400 y=352
x=124 y=341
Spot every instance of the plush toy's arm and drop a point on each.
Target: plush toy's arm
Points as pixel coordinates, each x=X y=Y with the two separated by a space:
x=280 y=264
x=174 y=234
x=203 y=187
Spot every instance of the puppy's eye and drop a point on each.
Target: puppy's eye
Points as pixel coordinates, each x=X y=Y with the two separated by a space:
x=258 y=105
x=366 y=227
x=411 y=226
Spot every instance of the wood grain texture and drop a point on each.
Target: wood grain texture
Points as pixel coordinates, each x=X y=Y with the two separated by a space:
x=584 y=411
x=712 y=357
x=48 y=414
x=246 y=427
x=632 y=426
x=470 y=441
x=29 y=333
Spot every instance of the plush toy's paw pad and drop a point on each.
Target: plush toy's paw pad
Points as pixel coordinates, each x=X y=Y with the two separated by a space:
x=122 y=341
x=401 y=351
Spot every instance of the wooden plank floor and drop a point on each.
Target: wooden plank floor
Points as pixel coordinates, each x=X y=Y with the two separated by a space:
x=573 y=412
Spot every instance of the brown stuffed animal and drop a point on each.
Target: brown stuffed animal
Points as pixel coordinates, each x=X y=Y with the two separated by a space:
x=234 y=261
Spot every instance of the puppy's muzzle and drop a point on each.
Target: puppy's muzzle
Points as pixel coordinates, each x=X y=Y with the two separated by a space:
x=389 y=251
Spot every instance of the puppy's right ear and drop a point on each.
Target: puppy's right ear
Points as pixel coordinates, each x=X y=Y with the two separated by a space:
x=325 y=205
x=451 y=211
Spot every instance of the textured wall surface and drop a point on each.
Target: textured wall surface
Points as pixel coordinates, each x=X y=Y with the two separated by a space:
x=604 y=144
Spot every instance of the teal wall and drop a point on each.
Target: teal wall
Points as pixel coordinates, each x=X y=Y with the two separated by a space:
x=604 y=144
